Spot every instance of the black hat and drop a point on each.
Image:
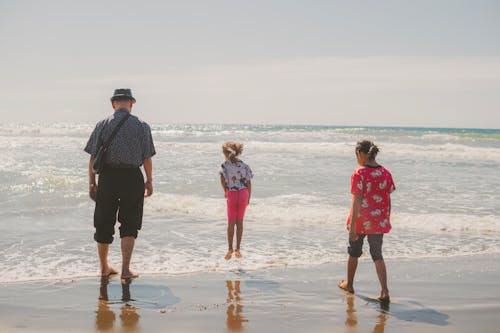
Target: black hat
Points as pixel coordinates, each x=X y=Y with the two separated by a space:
x=123 y=93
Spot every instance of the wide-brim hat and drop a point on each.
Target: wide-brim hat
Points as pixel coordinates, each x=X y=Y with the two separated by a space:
x=123 y=93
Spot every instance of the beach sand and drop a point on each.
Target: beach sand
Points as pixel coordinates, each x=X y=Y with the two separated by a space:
x=458 y=294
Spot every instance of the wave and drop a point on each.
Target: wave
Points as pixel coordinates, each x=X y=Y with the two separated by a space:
x=282 y=210
x=186 y=234
x=55 y=129
x=262 y=131
x=312 y=211
x=446 y=152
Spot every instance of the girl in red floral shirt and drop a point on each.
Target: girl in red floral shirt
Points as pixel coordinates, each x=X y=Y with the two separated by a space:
x=371 y=186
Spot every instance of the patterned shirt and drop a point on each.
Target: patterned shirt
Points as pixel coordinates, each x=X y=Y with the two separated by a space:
x=132 y=144
x=375 y=185
x=236 y=174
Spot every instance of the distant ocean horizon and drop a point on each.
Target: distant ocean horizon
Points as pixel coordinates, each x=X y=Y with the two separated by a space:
x=446 y=202
x=264 y=125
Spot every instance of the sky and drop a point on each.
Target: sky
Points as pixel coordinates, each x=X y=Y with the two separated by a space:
x=353 y=63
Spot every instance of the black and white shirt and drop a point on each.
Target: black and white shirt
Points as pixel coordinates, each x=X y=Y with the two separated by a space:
x=236 y=174
x=132 y=144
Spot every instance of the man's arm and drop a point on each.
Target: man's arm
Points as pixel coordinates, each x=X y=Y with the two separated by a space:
x=148 y=168
x=92 y=183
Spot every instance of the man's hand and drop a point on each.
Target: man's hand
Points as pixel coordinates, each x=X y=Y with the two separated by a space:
x=148 y=188
x=93 y=191
x=353 y=236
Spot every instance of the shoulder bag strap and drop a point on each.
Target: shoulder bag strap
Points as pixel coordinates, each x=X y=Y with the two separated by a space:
x=115 y=130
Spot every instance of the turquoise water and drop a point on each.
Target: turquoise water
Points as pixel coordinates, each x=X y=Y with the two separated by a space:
x=446 y=203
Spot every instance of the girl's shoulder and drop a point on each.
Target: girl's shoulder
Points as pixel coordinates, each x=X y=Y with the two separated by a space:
x=371 y=170
x=234 y=164
x=376 y=172
x=385 y=170
x=360 y=170
x=240 y=163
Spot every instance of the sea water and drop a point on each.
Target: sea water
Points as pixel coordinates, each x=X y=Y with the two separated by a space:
x=446 y=202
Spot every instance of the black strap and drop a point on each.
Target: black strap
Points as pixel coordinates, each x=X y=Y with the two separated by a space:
x=115 y=130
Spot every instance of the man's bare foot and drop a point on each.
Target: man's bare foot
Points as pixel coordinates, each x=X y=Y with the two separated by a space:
x=237 y=253
x=344 y=285
x=108 y=272
x=229 y=254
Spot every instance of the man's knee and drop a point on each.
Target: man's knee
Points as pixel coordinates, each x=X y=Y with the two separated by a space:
x=103 y=237
x=126 y=231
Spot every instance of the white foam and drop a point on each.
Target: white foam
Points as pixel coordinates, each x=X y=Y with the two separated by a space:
x=192 y=239
x=287 y=224
x=40 y=130
x=446 y=223
x=280 y=210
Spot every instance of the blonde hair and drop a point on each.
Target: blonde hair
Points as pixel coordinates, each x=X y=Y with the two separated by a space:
x=232 y=150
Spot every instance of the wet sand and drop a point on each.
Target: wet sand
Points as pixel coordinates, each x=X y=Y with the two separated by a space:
x=460 y=294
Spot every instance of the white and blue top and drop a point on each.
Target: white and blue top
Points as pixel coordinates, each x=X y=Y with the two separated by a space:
x=236 y=174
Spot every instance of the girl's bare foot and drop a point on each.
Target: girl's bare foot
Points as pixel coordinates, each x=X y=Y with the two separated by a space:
x=237 y=253
x=229 y=254
x=344 y=285
x=384 y=297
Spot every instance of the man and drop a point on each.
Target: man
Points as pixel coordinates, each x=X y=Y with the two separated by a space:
x=121 y=188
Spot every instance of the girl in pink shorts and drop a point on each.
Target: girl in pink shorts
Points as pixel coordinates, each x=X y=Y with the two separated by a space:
x=235 y=178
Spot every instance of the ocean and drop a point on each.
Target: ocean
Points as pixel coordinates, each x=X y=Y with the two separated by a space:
x=446 y=202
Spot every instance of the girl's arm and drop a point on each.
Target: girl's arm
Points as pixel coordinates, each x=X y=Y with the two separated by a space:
x=223 y=184
x=249 y=186
x=356 y=205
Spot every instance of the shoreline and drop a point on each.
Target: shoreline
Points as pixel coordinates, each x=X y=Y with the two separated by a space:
x=363 y=259
x=437 y=295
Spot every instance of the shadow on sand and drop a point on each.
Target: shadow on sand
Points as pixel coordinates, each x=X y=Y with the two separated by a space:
x=409 y=311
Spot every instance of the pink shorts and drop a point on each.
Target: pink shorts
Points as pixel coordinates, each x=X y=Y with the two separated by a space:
x=237 y=202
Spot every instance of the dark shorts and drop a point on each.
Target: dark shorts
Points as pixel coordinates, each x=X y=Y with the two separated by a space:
x=355 y=248
x=120 y=193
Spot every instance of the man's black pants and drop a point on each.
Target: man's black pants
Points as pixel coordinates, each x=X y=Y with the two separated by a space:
x=120 y=193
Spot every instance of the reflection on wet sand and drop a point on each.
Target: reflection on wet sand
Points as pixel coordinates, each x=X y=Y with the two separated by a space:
x=235 y=318
x=351 y=321
x=105 y=316
x=128 y=313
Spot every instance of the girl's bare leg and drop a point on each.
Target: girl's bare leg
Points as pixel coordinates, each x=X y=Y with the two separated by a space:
x=239 y=235
x=352 y=265
x=230 y=236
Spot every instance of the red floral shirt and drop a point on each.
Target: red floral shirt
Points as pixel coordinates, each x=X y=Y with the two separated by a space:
x=375 y=185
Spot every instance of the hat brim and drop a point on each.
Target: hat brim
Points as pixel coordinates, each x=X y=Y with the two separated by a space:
x=122 y=96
